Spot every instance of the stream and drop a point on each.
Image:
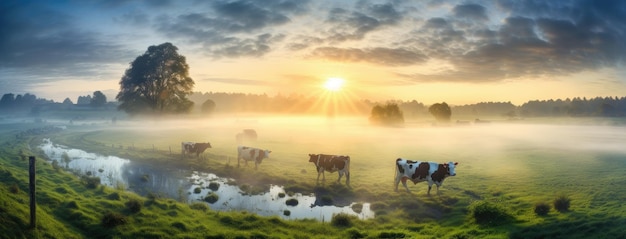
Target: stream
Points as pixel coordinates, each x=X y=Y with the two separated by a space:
x=193 y=186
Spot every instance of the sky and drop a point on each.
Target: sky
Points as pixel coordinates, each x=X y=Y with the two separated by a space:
x=459 y=52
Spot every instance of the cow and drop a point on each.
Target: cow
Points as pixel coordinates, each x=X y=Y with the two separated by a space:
x=331 y=163
x=246 y=135
x=249 y=153
x=417 y=171
x=191 y=148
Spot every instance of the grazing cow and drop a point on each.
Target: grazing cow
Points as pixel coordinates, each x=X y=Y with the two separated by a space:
x=249 y=153
x=417 y=171
x=331 y=163
x=191 y=147
x=246 y=135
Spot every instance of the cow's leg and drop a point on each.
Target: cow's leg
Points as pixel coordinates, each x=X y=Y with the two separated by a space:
x=430 y=186
x=340 y=175
x=406 y=187
x=348 y=178
x=397 y=181
x=256 y=165
x=318 y=177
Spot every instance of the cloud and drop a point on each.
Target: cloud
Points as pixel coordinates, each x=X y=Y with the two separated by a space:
x=349 y=25
x=473 y=12
x=40 y=43
x=233 y=28
x=541 y=38
x=378 y=55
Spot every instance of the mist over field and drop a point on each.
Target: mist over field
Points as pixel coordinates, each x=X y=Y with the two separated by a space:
x=498 y=149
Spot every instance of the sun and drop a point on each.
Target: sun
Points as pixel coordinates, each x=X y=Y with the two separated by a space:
x=334 y=84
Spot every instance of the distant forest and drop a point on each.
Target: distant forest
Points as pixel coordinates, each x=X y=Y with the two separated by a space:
x=299 y=104
x=308 y=105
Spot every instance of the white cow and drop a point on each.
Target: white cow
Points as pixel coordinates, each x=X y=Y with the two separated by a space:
x=252 y=154
x=417 y=171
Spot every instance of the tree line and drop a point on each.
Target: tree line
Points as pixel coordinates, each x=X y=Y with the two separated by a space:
x=157 y=82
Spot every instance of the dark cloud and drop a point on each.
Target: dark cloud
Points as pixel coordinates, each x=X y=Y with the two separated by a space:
x=540 y=38
x=472 y=12
x=251 y=47
x=354 y=25
x=43 y=41
x=233 y=28
x=379 y=55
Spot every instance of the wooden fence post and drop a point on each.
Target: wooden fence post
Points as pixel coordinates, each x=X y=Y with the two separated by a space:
x=33 y=203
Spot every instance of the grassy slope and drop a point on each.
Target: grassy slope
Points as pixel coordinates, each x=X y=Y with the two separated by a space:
x=589 y=179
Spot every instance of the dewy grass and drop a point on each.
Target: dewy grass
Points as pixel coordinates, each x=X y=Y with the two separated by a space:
x=513 y=174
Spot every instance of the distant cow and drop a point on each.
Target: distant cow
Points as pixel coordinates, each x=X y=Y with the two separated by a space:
x=191 y=148
x=246 y=135
x=252 y=154
x=417 y=171
x=331 y=163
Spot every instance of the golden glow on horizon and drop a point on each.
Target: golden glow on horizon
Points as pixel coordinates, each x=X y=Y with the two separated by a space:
x=334 y=84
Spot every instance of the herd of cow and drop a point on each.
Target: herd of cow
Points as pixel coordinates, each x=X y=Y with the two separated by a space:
x=416 y=171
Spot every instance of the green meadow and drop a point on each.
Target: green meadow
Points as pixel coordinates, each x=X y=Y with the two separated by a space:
x=542 y=178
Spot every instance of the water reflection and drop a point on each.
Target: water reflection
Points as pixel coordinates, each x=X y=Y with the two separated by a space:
x=193 y=186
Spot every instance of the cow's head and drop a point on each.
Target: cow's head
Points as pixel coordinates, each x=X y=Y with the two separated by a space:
x=313 y=158
x=264 y=154
x=451 y=166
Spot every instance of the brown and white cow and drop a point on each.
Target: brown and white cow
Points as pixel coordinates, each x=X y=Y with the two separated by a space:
x=252 y=154
x=192 y=147
x=331 y=163
x=417 y=171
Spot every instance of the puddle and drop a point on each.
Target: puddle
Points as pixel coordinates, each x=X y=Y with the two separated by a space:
x=192 y=186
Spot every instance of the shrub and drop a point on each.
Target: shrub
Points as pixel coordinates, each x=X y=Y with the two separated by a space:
x=391 y=235
x=354 y=233
x=211 y=198
x=180 y=226
x=341 y=220
x=292 y=202
x=199 y=206
x=214 y=186
x=197 y=190
x=542 y=209
x=112 y=219
x=91 y=182
x=133 y=205
x=487 y=213
x=287 y=213
x=55 y=165
x=114 y=196
x=14 y=188
x=72 y=204
x=561 y=203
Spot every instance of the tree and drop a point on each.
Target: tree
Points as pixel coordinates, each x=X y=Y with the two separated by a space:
x=67 y=101
x=441 y=111
x=390 y=114
x=98 y=99
x=84 y=100
x=208 y=106
x=156 y=82
x=7 y=101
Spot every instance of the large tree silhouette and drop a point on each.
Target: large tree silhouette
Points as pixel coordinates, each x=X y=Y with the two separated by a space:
x=156 y=82
x=441 y=111
x=98 y=99
x=389 y=114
